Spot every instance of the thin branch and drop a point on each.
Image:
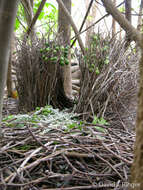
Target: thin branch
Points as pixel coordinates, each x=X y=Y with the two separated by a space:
x=124 y=23
x=94 y=23
x=84 y=20
x=36 y=17
x=20 y=22
x=89 y=26
x=140 y=16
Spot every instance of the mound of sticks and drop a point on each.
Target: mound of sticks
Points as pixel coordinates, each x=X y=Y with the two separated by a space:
x=109 y=82
x=79 y=158
x=40 y=74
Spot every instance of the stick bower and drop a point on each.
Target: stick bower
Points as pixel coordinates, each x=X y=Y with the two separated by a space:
x=108 y=87
x=40 y=74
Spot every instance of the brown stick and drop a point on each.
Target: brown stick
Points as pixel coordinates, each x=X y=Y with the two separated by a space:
x=35 y=17
x=81 y=32
x=124 y=23
x=83 y=22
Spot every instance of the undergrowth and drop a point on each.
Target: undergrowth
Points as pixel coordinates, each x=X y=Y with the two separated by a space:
x=53 y=118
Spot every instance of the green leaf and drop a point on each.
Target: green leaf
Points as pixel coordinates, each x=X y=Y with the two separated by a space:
x=41 y=16
x=95 y=121
x=66 y=61
x=53 y=58
x=103 y=121
x=97 y=71
x=8 y=118
x=17 y=24
x=62 y=59
x=47 y=49
x=62 y=63
x=105 y=48
x=71 y=126
x=101 y=129
x=92 y=65
x=106 y=61
x=20 y=125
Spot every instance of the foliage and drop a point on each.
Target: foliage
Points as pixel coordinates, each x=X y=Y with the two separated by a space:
x=53 y=53
x=46 y=19
x=106 y=92
x=122 y=9
x=53 y=118
x=49 y=11
x=20 y=18
x=75 y=125
x=100 y=121
x=97 y=53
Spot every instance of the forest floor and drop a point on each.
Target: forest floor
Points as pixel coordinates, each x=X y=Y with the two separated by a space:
x=51 y=149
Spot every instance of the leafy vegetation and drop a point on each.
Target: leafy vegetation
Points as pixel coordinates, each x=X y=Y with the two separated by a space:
x=48 y=15
x=55 y=119
x=46 y=115
x=100 y=121
x=97 y=53
x=54 y=53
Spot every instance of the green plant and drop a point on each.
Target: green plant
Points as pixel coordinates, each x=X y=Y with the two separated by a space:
x=46 y=110
x=100 y=121
x=66 y=61
x=54 y=59
x=78 y=125
x=49 y=13
x=97 y=54
x=62 y=63
x=54 y=53
x=8 y=118
x=107 y=60
x=97 y=71
x=71 y=126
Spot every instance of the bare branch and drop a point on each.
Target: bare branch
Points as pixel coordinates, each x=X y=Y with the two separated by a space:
x=124 y=23
x=36 y=16
x=83 y=22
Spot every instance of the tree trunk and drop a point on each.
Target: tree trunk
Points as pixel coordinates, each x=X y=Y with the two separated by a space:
x=114 y=23
x=33 y=21
x=128 y=17
x=139 y=24
x=29 y=14
x=70 y=20
x=137 y=167
x=9 y=78
x=8 y=9
x=128 y=10
x=10 y=83
x=65 y=34
x=28 y=11
x=123 y=22
x=90 y=20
